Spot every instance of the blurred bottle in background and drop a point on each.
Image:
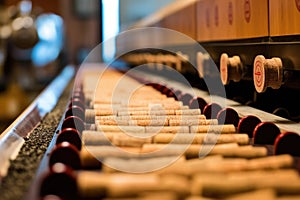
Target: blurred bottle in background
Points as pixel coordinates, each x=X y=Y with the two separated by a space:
x=32 y=53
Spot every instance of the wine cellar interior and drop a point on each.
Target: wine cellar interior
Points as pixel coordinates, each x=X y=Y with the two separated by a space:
x=131 y=99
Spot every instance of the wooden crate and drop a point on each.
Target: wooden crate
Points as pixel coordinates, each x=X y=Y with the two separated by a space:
x=284 y=17
x=231 y=19
x=182 y=21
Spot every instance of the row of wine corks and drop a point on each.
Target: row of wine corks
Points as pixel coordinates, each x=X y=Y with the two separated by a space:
x=182 y=114
x=260 y=132
x=211 y=177
x=169 y=183
x=248 y=124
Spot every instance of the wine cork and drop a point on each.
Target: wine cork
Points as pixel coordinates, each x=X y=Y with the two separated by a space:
x=125 y=129
x=147 y=112
x=141 y=164
x=160 y=99
x=166 y=105
x=105 y=112
x=198 y=198
x=226 y=128
x=94 y=184
x=241 y=164
x=154 y=117
x=107 y=106
x=139 y=122
x=104 y=152
x=192 y=122
x=271 y=162
x=167 y=129
x=186 y=117
x=108 y=117
x=152 y=106
x=157 y=195
x=90 y=127
x=138 y=103
x=113 y=122
x=109 y=100
x=129 y=113
x=267 y=73
x=288 y=197
x=188 y=167
x=266 y=194
x=222 y=185
x=209 y=138
x=88 y=160
x=188 y=112
x=146 y=122
x=241 y=152
x=143 y=117
x=90 y=116
x=231 y=68
x=96 y=138
x=129 y=141
x=194 y=151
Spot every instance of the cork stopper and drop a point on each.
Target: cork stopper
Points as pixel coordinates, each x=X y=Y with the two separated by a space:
x=201 y=58
x=231 y=68
x=267 y=73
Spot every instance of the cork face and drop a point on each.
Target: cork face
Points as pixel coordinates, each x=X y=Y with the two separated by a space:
x=224 y=69
x=259 y=74
x=200 y=61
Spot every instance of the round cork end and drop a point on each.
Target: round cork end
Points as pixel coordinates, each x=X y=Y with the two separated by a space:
x=247 y=124
x=231 y=68
x=267 y=73
x=75 y=111
x=287 y=143
x=59 y=182
x=197 y=103
x=259 y=74
x=65 y=153
x=224 y=61
x=265 y=133
x=73 y=122
x=201 y=57
x=228 y=116
x=76 y=102
x=211 y=110
x=70 y=135
x=185 y=98
x=177 y=94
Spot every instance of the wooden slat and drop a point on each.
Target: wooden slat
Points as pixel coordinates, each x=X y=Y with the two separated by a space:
x=183 y=20
x=284 y=17
x=231 y=19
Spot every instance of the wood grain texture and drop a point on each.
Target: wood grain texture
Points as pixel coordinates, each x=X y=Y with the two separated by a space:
x=182 y=21
x=284 y=17
x=231 y=19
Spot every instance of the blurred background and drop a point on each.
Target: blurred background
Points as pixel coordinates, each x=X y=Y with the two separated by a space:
x=39 y=38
